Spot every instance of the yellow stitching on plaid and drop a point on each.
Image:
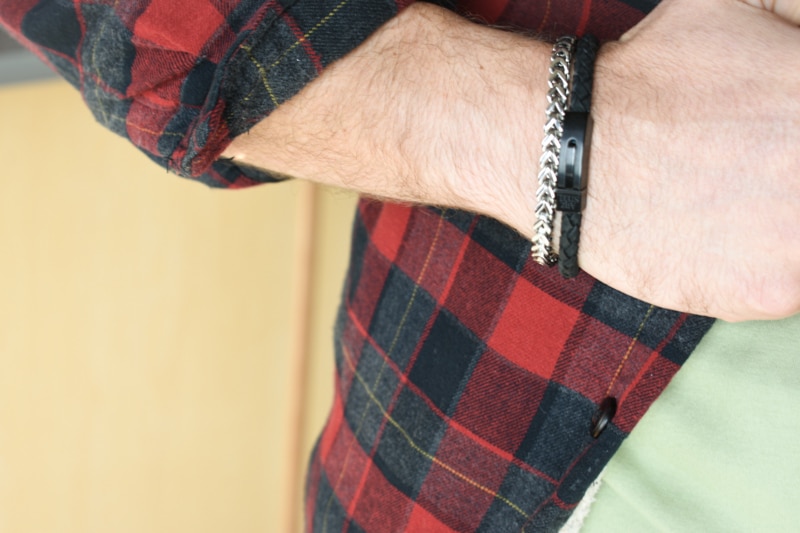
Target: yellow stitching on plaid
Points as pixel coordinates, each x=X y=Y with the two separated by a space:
x=419 y=449
x=630 y=348
x=383 y=366
x=310 y=32
x=264 y=71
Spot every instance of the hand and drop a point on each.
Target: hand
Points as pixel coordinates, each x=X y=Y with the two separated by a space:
x=695 y=193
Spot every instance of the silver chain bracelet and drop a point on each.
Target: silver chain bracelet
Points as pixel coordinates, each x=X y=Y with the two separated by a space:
x=557 y=96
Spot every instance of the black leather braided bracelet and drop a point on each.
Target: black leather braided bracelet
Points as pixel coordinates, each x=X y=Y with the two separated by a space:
x=573 y=164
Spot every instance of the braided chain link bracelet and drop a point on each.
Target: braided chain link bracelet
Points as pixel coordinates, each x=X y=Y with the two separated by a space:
x=557 y=95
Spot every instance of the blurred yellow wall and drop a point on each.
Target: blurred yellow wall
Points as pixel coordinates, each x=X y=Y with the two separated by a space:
x=165 y=349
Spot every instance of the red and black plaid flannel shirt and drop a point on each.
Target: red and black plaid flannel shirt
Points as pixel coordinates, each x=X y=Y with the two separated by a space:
x=467 y=376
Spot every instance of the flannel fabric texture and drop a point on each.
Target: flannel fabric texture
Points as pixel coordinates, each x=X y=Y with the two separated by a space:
x=467 y=377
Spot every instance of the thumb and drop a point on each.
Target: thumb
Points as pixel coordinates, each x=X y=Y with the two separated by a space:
x=786 y=9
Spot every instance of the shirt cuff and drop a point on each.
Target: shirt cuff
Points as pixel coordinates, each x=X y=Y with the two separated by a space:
x=288 y=47
x=181 y=86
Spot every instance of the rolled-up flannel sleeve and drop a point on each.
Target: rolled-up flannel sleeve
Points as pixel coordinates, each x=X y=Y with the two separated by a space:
x=182 y=78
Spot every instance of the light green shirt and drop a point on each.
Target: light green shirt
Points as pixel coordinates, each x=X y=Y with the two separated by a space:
x=719 y=451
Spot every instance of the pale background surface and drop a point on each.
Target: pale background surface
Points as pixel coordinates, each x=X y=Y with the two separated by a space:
x=165 y=349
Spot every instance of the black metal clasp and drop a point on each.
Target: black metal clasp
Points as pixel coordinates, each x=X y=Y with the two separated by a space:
x=573 y=162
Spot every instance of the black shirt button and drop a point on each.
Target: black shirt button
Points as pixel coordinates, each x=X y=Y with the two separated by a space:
x=601 y=418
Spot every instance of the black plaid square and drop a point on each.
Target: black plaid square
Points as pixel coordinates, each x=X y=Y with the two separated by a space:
x=54 y=26
x=648 y=324
x=462 y=220
x=546 y=517
x=444 y=362
x=371 y=393
x=408 y=308
x=680 y=346
x=585 y=470
x=552 y=443
x=507 y=246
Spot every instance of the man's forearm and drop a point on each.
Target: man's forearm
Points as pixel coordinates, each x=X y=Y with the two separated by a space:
x=434 y=109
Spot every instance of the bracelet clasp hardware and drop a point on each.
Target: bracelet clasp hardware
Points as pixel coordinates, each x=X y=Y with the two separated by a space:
x=573 y=164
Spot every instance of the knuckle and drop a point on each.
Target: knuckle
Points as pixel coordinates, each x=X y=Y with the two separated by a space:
x=774 y=297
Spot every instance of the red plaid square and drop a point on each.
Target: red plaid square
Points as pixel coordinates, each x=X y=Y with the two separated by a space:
x=591 y=362
x=179 y=25
x=390 y=229
x=533 y=329
x=422 y=520
x=374 y=272
x=477 y=294
x=497 y=403
x=345 y=464
x=445 y=241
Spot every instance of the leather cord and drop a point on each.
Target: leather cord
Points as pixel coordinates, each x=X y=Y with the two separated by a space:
x=581 y=102
x=583 y=75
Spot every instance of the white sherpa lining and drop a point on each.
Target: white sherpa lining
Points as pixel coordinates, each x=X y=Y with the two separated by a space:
x=575 y=522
